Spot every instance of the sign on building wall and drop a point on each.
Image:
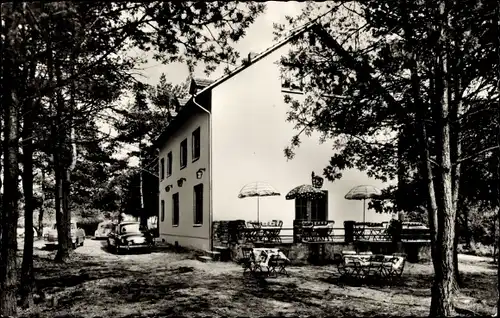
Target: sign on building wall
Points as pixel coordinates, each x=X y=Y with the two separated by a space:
x=316 y=181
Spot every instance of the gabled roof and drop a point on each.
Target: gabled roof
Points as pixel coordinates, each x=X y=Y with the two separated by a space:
x=197 y=84
x=183 y=101
x=202 y=82
x=252 y=59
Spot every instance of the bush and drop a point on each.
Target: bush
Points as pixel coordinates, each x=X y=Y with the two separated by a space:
x=477 y=249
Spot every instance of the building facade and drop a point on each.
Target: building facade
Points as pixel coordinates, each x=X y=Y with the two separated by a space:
x=184 y=216
x=242 y=119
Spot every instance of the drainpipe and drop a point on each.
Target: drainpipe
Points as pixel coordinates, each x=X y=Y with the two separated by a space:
x=210 y=215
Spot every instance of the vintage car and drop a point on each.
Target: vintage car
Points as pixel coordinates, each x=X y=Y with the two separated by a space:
x=128 y=235
x=77 y=235
x=103 y=230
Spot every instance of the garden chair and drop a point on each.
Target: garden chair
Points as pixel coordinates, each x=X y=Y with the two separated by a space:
x=277 y=265
x=394 y=266
x=274 y=235
x=352 y=266
x=247 y=261
x=307 y=231
x=375 y=266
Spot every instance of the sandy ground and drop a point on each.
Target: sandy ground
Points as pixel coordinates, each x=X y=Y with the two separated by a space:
x=97 y=283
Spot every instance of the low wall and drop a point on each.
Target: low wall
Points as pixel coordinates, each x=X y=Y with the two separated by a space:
x=303 y=253
x=415 y=251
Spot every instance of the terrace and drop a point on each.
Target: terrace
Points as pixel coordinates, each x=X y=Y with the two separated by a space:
x=321 y=241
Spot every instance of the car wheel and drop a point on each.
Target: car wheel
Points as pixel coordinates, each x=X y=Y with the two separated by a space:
x=110 y=248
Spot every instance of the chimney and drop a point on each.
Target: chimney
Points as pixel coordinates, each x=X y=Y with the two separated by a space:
x=250 y=58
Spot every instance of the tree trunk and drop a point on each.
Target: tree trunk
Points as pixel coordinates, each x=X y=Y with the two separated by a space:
x=61 y=172
x=143 y=216
x=400 y=194
x=65 y=203
x=496 y=19
x=498 y=251
x=467 y=232
x=8 y=268
x=66 y=187
x=444 y=280
x=10 y=103
x=456 y=143
x=41 y=210
x=458 y=277
x=27 y=276
x=63 y=234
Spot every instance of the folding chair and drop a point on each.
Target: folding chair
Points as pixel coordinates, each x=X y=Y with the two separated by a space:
x=247 y=261
x=351 y=267
x=399 y=261
x=376 y=266
x=277 y=265
x=394 y=266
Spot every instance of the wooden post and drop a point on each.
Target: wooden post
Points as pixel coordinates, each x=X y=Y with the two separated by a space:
x=349 y=231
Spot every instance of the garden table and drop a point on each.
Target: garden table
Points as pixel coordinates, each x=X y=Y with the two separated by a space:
x=362 y=266
x=272 y=259
x=253 y=232
x=322 y=232
x=271 y=233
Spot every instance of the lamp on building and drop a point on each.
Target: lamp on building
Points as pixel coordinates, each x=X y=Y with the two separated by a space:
x=199 y=173
x=181 y=181
x=167 y=188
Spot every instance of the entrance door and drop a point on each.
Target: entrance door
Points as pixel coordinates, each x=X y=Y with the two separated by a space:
x=318 y=209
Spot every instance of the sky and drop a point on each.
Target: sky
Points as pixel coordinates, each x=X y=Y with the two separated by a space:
x=259 y=36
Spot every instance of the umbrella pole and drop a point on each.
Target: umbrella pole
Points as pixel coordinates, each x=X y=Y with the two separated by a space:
x=364 y=210
x=309 y=210
x=364 y=218
x=258 y=209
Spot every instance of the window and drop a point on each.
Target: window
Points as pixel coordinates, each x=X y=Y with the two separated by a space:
x=162 y=168
x=162 y=210
x=198 y=204
x=130 y=228
x=292 y=80
x=184 y=153
x=195 y=143
x=300 y=209
x=175 y=209
x=169 y=164
x=293 y=85
x=319 y=209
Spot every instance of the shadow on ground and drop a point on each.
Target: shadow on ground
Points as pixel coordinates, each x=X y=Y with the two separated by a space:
x=170 y=284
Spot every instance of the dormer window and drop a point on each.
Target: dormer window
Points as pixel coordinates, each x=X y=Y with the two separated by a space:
x=292 y=81
x=198 y=84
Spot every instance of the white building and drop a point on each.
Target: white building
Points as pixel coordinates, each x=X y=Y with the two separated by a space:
x=231 y=132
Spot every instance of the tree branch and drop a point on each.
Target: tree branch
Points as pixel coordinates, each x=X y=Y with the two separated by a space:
x=477 y=154
x=363 y=70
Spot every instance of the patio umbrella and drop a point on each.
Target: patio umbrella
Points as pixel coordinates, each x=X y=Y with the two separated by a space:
x=305 y=191
x=363 y=192
x=258 y=189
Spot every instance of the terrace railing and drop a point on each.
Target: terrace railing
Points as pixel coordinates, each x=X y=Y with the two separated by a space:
x=303 y=231
x=395 y=231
